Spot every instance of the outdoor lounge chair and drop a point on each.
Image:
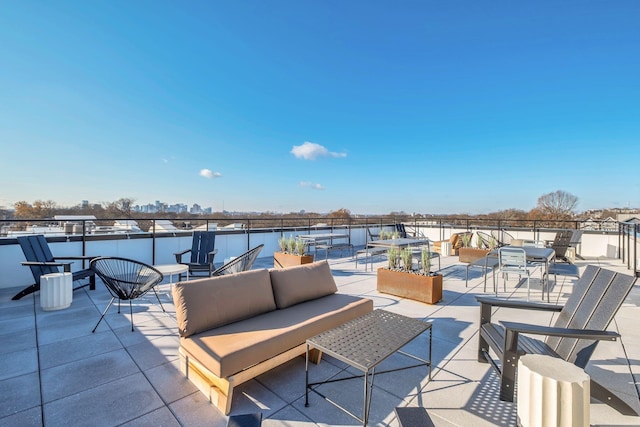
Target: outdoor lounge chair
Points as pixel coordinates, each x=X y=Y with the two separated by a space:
x=241 y=263
x=455 y=240
x=41 y=261
x=202 y=253
x=125 y=279
x=401 y=230
x=487 y=241
x=502 y=237
x=581 y=324
x=561 y=243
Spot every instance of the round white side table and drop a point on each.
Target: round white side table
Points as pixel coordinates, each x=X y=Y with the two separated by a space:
x=445 y=249
x=552 y=392
x=56 y=291
x=171 y=270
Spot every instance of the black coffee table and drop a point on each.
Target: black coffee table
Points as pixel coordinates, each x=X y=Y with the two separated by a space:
x=364 y=343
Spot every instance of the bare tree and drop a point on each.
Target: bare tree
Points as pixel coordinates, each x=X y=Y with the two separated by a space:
x=120 y=208
x=557 y=205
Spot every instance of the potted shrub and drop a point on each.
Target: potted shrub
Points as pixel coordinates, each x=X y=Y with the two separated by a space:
x=469 y=254
x=403 y=281
x=292 y=252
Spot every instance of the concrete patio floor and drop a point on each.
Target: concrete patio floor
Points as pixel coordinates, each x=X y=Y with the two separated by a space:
x=54 y=371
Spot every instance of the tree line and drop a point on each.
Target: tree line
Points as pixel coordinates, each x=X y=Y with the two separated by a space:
x=559 y=206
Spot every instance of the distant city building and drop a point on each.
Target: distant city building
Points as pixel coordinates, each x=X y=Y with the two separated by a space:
x=159 y=207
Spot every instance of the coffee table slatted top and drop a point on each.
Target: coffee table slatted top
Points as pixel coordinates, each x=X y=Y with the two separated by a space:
x=368 y=340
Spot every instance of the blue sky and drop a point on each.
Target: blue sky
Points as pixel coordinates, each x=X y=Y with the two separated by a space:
x=373 y=106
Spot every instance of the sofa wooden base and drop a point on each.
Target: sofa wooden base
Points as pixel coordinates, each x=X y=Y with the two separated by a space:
x=218 y=390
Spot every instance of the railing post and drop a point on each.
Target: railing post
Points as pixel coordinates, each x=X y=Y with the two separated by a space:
x=621 y=241
x=153 y=241
x=248 y=234
x=636 y=230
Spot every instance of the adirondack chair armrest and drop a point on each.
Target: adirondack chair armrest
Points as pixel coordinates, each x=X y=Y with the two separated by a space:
x=66 y=265
x=48 y=263
x=179 y=255
x=590 y=334
x=79 y=257
x=212 y=254
x=497 y=302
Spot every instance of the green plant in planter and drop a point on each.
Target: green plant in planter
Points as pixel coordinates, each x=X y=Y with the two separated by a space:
x=425 y=256
x=479 y=241
x=382 y=235
x=395 y=235
x=301 y=246
x=407 y=258
x=493 y=243
x=394 y=258
x=291 y=245
x=466 y=240
x=282 y=243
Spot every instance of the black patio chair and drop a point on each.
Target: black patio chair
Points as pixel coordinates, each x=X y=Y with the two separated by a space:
x=202 y=253
x=241 y=263
x=487 y=241
x=41 y=261
x=561 y=243
x=502 y=237
x=401 y=230
x=125 y=279
x=581 y=324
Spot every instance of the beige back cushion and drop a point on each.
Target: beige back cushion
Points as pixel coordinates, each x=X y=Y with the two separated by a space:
x=212 y=302
x=294 y=285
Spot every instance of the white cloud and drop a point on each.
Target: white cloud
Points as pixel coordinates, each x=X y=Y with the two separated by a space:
x=311 y=151
x=208 y=173
x=311 y=185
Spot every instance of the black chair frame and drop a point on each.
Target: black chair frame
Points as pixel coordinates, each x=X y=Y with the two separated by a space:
x=41 y=261
x=126 y=279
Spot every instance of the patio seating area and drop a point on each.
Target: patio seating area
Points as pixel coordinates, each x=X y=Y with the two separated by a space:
x=54 y=371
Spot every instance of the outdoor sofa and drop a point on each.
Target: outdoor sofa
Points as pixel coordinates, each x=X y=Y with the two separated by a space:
x=235 y=327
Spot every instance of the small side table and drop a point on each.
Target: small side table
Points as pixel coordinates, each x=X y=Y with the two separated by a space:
x=56 y=291
x=445 y=248
x=171 y=270
x=552 y=392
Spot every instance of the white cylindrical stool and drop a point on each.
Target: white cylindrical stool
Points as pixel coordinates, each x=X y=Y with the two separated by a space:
x=552 y=392
x=56 y=291
x=445 y=248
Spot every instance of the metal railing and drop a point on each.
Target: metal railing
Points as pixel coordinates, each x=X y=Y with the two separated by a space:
x=628 y=244
x=87 y=230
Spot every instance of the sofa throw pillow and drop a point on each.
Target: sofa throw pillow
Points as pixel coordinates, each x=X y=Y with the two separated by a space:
x=294 y=285
x=208 y=303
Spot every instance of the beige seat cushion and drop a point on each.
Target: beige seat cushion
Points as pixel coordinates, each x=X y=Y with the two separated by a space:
x=302 y=283
x=216 y=301
x=232 y=348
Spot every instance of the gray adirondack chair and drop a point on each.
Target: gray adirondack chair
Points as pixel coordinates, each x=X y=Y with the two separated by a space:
x=581 y=324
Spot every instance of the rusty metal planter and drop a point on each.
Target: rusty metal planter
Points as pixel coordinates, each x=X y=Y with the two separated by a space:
x=427 y=289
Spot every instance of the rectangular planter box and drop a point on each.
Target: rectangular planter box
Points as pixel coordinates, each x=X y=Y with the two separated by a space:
x=282 y=260
x=427 y=289
x=472 y=254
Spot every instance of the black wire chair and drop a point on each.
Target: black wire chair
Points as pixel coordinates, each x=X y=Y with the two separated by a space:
x=502 y=237
x=486 y=240
x=125 y=279
x=241 y=263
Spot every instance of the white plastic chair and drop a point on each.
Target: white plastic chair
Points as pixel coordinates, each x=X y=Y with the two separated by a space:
x=513 y=260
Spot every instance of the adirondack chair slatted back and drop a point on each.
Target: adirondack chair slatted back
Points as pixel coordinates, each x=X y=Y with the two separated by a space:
x=595 y=300
x=36 y=249
x=203 y=243
x=561 y=243
x=402 y=231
